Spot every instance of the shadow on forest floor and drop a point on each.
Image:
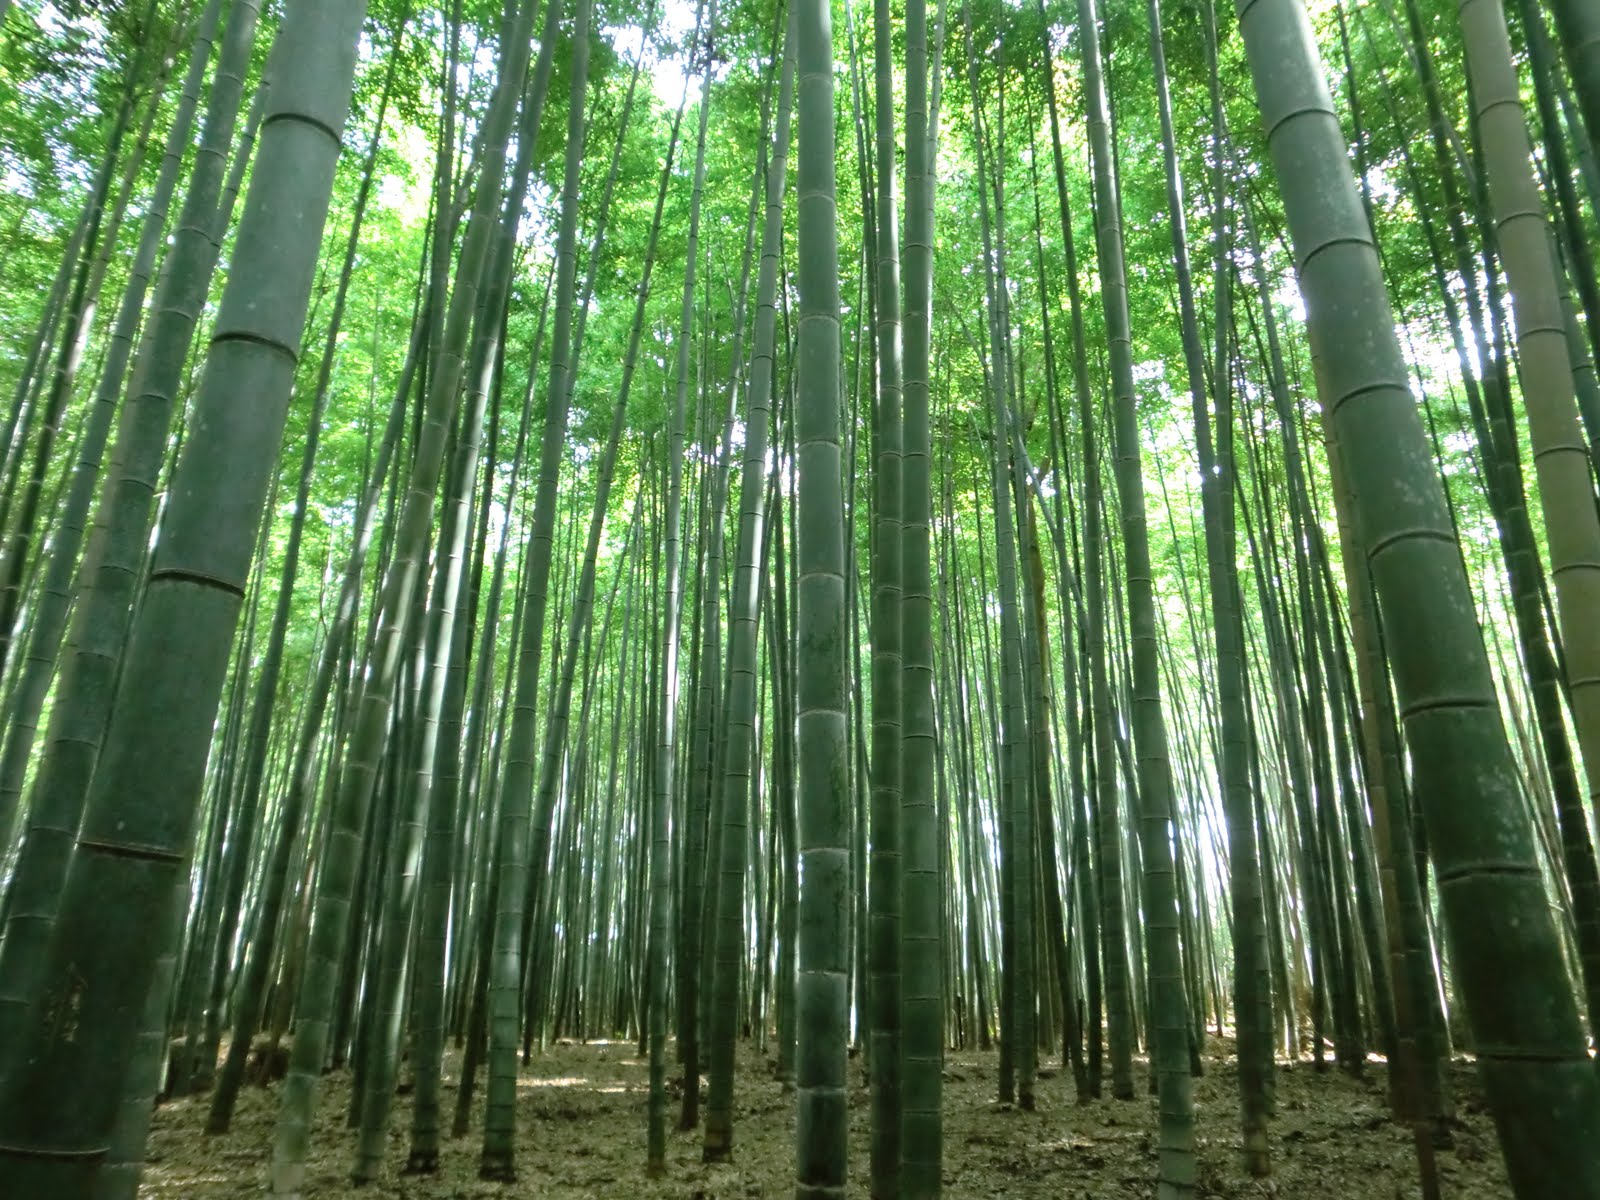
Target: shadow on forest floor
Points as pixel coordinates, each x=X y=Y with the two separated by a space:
x=581 y=1128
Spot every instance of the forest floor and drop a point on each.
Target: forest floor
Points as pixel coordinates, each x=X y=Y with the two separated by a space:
x=581 y=1132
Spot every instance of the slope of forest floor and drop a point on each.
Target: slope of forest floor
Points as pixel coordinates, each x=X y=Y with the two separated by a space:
x=581 y=1130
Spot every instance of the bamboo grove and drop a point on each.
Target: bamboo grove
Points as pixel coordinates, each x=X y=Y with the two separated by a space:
x=859 y=528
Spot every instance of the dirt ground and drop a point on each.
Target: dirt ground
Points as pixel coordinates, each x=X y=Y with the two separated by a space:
x=581 y=1130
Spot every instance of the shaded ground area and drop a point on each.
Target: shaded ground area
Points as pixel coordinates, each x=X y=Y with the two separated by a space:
x=581 y=1131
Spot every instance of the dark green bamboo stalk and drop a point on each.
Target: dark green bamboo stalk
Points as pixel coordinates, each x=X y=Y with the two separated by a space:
x=821 y=994
x=922 y=996
x=884 y=870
